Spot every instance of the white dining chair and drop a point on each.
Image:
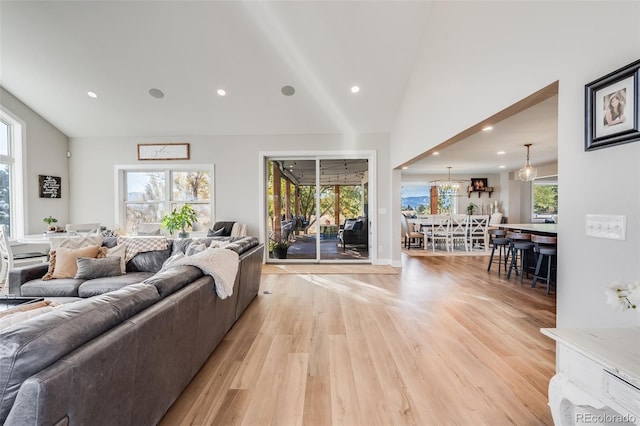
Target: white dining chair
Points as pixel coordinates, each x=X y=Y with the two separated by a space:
x=10 y=260
x=83 y=228
x=458 y=231
x=437 y=232
x=479 y=230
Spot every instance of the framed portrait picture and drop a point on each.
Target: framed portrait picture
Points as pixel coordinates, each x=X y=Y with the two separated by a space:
x=611 y=108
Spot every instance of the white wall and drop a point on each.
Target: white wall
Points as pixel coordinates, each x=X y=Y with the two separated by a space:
x=45 y=150
x=477 y=59
x=237 y=183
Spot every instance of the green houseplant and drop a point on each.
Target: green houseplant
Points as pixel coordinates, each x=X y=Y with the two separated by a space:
x=180 y=220
x=471 y=208
x=50 y=223
x=279 y=247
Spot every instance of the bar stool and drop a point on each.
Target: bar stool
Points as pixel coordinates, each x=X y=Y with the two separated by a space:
x=545 y=247
x=498 y=238
x=520 y=246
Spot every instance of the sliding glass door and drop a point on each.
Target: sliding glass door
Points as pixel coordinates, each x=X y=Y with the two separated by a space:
x=317 y=209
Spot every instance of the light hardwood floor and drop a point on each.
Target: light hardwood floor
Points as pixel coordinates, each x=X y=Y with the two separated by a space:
x=442 y=343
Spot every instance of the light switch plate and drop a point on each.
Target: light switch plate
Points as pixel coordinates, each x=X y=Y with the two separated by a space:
x=606 y=226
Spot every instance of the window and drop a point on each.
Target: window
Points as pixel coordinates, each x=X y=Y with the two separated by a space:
x=415 y=199
x=545 y=199
x=149 y=194
x=10 y=174
x=447 y=199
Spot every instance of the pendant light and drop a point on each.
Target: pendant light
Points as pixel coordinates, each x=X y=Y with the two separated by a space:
x=528 y=172
x=455 y=185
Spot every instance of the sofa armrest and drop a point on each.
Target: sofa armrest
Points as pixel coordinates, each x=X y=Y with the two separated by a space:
x=19 y=276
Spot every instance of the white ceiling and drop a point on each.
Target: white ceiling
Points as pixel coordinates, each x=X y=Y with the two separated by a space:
x=478 y=153
x=52 y=53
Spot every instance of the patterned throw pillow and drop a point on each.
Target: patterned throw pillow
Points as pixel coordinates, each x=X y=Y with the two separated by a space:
x=75 y=242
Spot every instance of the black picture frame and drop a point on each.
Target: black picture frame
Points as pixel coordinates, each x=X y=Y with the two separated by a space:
x=609 y=123
x=50 y=186
x=479 y=184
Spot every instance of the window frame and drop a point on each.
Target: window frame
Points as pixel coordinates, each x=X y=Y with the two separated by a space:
x=167 y=168
x=17 y=170
x=541 y=182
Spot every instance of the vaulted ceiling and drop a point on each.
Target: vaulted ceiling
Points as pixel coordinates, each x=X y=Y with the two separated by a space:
x=53 y=53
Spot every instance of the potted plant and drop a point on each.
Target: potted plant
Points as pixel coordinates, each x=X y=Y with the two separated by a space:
x=50 y=223
x=279 y=248
x=471 y=208
x=180 y=220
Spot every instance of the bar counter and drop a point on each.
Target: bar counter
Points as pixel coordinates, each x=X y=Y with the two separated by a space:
x=534 y=228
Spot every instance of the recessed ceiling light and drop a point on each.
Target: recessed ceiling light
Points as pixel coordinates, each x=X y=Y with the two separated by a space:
x=288 y=90
x=500 y=153
x=436 y=153
x=355 y=89
x=92 y=94
x=405 y=167
x=487 y=128
x=222 y=92
x=502 y=167
x=156 y=93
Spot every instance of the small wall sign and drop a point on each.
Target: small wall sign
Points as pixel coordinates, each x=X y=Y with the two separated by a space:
x=163 y=151
x=50 y=186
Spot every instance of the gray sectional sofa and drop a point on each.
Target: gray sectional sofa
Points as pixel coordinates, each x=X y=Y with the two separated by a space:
x=124 y=354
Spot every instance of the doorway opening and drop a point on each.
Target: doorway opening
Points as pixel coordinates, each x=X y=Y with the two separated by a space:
x=317 y=209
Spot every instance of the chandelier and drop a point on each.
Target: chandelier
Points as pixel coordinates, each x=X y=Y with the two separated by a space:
x=528 y=172
x=453 y=184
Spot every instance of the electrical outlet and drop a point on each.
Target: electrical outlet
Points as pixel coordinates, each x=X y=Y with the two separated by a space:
x=606 y=226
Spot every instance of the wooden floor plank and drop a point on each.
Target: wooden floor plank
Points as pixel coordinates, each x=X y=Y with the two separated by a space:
x=442 y=342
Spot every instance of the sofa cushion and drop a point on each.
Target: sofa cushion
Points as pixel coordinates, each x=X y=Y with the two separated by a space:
x=99 y=286
x=31 y=346
x=173 y=279
x=89 y=268
x=64 y=263
x=240 y=245
x=150 y=261
x=63 y=287
x=226 y=225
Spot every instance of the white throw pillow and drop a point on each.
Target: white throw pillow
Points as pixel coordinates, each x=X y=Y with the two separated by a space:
x=239 y=230
x=218 y=244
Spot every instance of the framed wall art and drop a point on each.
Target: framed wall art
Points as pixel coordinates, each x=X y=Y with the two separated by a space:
x=479 y=184
x=163 y=151
x=611 y=108
x=49 y=186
